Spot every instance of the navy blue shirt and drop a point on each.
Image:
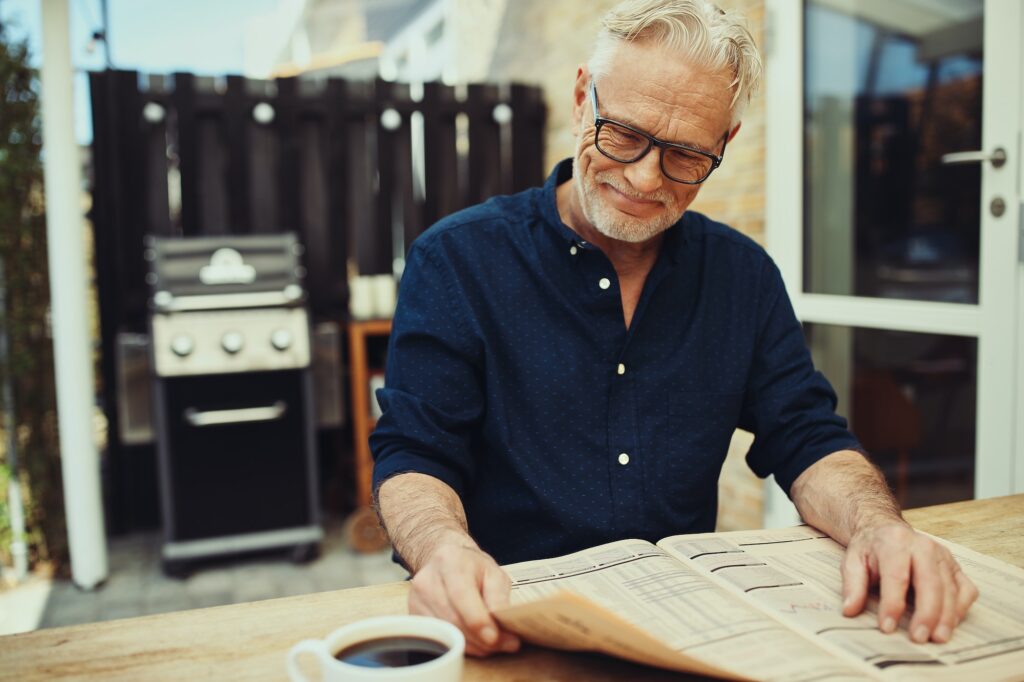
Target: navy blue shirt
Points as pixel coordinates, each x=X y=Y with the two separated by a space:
x=511 y=377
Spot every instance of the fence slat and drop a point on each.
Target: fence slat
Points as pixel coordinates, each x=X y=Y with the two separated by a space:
x=286 y=125
x=338 y=199
x=440 y=157
x=237 y=120
x=484 y=144
x=183 y=101
x=529 y=119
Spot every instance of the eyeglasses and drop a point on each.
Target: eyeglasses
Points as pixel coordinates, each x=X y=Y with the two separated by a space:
x=625 y=144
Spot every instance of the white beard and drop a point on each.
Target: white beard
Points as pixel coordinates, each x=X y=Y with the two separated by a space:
x=615 y=224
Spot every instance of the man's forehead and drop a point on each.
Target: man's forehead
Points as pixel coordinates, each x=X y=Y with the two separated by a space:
x=675 y=100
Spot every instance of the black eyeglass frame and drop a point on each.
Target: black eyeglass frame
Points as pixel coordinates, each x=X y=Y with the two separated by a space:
x=652 y=141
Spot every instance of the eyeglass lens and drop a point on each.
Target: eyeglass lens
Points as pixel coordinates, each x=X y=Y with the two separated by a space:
x=626 y=146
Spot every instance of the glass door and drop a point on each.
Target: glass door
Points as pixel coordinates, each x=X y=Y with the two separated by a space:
x=893 y=202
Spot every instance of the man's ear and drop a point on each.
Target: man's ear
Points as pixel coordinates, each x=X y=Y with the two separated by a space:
x=732 y=133
x=579 y=95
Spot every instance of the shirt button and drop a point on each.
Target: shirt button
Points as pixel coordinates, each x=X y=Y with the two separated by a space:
x=622 y=368
x=573 y=250
x=604 y=283
x=623 y=459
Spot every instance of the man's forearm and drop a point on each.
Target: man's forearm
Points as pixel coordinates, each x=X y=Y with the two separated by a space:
x=420 y=513
x=842 y=493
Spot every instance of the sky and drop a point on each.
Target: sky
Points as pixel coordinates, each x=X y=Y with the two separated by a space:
x=205 y=37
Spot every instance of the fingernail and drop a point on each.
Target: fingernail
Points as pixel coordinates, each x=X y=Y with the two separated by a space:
x=888 y=625
x=847 y=602
x=489 y=634
x=942 y=633
x=921 y=634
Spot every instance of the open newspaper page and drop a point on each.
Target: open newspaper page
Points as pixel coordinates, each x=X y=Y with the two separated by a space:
x=632 y=600
x=793 y=574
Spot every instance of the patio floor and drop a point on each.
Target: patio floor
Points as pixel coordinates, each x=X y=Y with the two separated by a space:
x=136 y=586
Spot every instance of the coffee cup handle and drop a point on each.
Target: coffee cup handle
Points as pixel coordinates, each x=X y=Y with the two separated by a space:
x=317 y=647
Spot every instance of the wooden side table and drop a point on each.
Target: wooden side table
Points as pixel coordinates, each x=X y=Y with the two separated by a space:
x=362 y=527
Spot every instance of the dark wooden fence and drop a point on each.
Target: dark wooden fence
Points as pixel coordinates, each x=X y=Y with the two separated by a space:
x=356 y=169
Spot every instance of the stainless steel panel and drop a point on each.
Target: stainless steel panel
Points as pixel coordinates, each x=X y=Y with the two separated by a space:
x=206 y=333
x=134 y=389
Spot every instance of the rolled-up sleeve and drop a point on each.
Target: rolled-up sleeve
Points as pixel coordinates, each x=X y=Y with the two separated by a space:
x=789 y=406
x=432 y=397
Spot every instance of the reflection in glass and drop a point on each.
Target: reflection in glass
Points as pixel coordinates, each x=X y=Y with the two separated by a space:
x=888 y=89
x=910 y=399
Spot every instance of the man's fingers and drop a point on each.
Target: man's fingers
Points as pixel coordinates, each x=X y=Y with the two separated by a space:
x=428 y=597
x=465 y=596
x=929 y=593
x=894 y=579
x=855 y=583
x=967 y=593
x=497 y=587
x=947 y=619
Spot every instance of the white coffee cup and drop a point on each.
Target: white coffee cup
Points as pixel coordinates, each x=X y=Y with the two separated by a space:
x=445 y=668
x=385 y=296
x=360 y=298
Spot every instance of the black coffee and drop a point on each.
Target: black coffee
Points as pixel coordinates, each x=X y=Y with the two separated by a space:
x=391 y=652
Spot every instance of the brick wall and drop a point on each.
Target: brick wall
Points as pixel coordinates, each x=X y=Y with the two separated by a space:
x=543 y=42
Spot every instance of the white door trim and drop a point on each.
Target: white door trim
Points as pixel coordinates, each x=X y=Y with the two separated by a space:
x=994 y=321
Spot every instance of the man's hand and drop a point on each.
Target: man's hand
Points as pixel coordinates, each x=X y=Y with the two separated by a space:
x=844 y=495
x=462 y=584
x=894 y=556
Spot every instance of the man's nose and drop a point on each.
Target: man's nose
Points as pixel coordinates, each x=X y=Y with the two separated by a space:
x=645 y=175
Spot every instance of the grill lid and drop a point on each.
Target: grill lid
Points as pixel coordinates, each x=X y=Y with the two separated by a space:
x=193 y=267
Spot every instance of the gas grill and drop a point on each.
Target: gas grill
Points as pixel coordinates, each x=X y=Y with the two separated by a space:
x=233 y=397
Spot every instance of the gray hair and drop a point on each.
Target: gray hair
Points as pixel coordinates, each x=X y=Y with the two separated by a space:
x=708 y=36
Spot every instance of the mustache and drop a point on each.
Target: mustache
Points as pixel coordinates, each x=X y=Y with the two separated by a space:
x=609 y=178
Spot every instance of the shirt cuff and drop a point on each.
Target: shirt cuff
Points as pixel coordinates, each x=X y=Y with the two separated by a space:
x=406 y=463
x=791 y=470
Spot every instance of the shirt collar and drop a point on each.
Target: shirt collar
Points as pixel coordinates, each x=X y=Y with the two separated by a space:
x=675 y=237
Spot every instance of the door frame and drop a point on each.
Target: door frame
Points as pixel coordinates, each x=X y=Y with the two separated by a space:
x=996 y=321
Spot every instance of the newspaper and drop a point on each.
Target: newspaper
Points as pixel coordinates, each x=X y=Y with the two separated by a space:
x=754 y=605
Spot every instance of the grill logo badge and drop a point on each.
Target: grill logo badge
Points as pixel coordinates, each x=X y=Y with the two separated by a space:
x=227 y=267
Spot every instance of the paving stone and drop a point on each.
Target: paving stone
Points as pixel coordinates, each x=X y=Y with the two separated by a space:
x=256 y=588
x=304 y=583
x=165 y=606
x=207 y=599
x=115 y=610
x=210 y=581
x=70 y=616
x=166 y=591
x=122 y=587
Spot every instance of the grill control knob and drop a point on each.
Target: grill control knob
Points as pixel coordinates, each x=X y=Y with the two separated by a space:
x=281 y=339
x=182 y=345
x=232 y=342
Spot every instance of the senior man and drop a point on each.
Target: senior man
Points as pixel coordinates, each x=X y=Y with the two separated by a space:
x=567 y=365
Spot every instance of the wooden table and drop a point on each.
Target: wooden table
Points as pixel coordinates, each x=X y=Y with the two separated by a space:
x=249 y=641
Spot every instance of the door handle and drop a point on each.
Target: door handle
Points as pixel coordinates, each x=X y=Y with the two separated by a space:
x=240 y=416
x=997 y=157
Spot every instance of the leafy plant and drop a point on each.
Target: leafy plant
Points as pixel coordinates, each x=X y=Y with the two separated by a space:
x=25 y=316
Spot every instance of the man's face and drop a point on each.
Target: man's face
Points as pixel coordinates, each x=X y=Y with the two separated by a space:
x=650 y=89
